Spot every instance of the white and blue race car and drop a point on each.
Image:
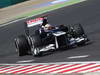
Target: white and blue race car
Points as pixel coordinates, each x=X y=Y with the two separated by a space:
x=48 y=38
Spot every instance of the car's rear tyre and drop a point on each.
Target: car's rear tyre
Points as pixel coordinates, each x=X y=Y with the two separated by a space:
x=22 y=45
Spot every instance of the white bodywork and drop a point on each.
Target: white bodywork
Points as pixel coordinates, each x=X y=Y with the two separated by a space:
x=59 y=33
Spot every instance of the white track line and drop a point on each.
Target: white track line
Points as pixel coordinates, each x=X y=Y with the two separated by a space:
x=2 y=25
x=81 y=62
x=82 y=56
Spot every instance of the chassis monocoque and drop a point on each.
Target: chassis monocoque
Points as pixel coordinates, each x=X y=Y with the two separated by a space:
x=60 y=37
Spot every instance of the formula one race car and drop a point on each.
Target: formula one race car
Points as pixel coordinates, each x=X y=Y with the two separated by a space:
x=48 y=38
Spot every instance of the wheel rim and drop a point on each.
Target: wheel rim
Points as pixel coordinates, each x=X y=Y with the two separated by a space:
x=35 y=51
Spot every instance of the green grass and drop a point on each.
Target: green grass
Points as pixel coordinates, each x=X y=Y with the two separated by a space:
x=49 y=8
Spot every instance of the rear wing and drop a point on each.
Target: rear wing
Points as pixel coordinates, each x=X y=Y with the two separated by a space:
x=34 y=22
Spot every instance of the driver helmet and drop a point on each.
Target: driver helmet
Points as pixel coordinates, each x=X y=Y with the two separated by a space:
x=49 y=27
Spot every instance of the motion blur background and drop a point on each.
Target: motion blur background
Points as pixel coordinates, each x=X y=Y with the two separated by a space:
x=5 y=3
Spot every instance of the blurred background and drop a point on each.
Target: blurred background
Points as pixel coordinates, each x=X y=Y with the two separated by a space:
x=5 y=3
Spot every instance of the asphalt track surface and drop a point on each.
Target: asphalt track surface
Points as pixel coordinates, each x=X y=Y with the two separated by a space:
x=87 y=13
